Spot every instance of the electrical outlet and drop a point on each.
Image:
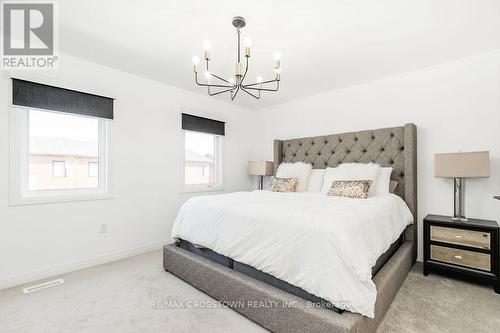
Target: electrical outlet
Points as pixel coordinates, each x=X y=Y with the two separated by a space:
x=103 y=228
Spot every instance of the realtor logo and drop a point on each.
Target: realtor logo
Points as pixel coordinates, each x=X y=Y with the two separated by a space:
x=29 y=35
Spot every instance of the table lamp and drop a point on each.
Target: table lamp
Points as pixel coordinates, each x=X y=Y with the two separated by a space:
x=261 y=168
x=460 y=166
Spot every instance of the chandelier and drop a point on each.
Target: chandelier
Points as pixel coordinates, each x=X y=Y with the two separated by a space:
x=237 y=83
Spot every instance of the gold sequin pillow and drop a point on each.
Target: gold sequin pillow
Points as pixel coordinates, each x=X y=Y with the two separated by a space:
x=350 y=188
x=283 y=184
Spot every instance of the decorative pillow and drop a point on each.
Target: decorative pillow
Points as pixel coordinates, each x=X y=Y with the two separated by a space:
x=392 y=186
x=350 y=188
x=316 y=180
x=352 y=171
x=381 y=186
x=299 y=170
x=283 y=184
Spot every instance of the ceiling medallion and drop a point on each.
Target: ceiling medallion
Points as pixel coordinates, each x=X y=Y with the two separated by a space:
x=236 y=83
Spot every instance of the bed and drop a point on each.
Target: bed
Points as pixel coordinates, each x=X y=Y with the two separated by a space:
x=232 y=281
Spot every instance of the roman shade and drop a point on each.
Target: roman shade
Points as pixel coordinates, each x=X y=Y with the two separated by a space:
x=200 y=124
x=42 y=96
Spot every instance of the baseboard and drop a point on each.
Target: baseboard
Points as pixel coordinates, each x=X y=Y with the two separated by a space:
x=16 y=280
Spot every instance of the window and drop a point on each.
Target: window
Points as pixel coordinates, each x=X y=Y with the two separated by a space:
x=57 y=156
x=68 y=142
x=58 y=168
x=202 y=153
x=93 y=169
x=201 y=159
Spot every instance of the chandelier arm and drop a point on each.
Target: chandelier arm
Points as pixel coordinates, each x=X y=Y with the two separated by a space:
x=235 y=93
x=210 y=85
x=264 y=82
x=220 y=92
x=214 y=85
x=244 y=74
x=218 y=77
x=265 y=89
x=256 y=97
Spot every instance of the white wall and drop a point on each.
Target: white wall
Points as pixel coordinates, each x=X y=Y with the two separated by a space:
x=456 y=106
x=145 y=172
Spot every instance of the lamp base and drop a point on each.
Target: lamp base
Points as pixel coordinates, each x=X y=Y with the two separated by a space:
x=459 y=200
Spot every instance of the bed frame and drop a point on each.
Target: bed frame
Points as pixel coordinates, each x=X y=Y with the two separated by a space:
x=394 y=147
x=274 y=281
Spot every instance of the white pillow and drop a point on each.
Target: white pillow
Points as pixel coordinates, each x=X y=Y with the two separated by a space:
x=298 y=170
x=383 y=181
x=316 y=180
x=352 y=171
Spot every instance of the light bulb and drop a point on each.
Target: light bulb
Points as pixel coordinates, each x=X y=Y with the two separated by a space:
x=208 y=77
x=231 y=80
x=248 y=43
x=259 y=79
x=207 y=45
x=196 y=60
x=277 y=70
x=277 y=60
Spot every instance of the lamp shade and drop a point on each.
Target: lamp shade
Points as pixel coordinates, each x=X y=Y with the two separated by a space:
x=260 y=168
x=462 y=165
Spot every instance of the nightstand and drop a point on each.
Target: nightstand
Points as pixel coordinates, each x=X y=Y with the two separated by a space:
x=464 y=249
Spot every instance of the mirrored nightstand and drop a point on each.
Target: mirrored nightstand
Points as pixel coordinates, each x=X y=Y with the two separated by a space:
x=464 y=249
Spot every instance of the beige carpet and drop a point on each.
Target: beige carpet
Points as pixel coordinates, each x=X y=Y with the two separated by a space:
x=137 y=295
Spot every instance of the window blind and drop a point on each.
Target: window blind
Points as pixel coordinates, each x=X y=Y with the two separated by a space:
x=200 y=124
x=42 y=96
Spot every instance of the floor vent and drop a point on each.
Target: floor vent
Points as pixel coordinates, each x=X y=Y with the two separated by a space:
x=44 y=285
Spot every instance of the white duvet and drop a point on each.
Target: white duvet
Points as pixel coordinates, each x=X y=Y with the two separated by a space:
x=324 y=245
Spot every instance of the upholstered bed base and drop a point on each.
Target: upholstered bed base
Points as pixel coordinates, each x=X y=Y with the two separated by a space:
x=275 y=282
x=394 y=147
x=292 y=314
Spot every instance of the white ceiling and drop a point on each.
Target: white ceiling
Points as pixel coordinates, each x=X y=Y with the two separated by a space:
x=325 y=44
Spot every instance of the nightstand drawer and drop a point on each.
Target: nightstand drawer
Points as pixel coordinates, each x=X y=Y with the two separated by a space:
x=465 y=237
x=461 y=257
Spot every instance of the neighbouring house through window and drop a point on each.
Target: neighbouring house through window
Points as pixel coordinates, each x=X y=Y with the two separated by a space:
x=68 y=142
x=202 y=153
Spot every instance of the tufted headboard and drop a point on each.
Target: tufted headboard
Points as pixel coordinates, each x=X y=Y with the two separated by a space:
x=394 y=147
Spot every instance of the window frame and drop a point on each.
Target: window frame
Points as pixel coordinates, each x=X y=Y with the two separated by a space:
x=88 y=169
x=19 y=193
x=218 y=166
